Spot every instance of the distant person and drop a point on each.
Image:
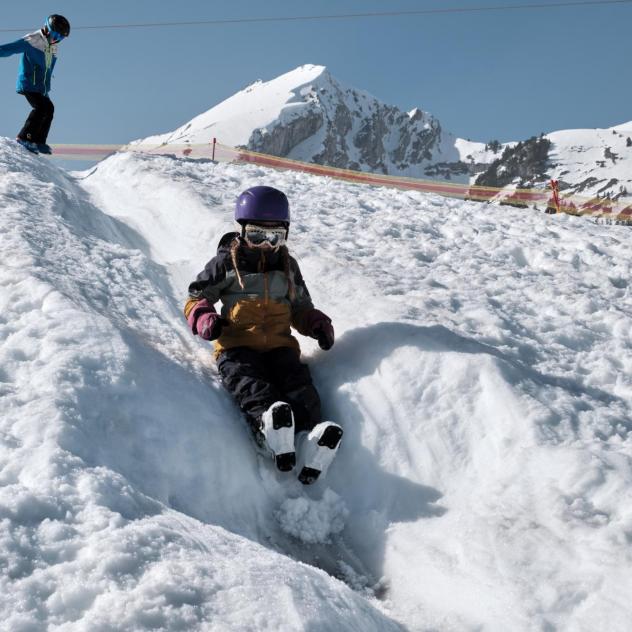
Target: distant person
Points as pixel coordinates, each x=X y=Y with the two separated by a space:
x=39 y=54
x=263 y=294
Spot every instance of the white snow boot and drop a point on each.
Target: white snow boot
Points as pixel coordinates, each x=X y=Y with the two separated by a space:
x=318 y=450
x=278 y=430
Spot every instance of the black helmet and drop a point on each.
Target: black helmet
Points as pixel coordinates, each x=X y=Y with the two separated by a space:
x=58 y=24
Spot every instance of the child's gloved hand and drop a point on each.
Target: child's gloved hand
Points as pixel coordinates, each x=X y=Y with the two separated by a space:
x=320 y=328
x=325 y=336
x=205 y=321
x=210 y=325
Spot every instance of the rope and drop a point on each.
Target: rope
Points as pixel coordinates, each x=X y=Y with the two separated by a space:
x=345 y=16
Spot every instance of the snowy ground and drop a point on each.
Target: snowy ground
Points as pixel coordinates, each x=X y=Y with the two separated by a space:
x=482 y=373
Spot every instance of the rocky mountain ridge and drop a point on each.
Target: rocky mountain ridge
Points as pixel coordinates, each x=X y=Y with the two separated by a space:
x=588 y=163
x=307 y=115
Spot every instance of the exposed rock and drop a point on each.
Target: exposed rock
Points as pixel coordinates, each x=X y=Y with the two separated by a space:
x=345 y=128
x=524 y=164
x=279 y=140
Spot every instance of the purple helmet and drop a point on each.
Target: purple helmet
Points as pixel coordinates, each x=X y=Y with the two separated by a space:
x=262 y=203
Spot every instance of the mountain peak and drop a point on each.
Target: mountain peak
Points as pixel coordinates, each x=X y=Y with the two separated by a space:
x=306 y=114
x=298 y=77
x=306 y=73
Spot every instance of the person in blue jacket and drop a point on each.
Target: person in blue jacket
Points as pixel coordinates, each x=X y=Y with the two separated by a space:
x=39 y=54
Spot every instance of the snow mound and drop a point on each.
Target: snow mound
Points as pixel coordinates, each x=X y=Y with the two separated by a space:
x=313 y=521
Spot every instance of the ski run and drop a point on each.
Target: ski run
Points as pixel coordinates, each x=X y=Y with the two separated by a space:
x=482 y=373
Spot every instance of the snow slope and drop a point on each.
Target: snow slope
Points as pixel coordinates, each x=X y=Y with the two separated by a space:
x=587 y=163
x=482 y=372
x=232 y=121
x=593 y=161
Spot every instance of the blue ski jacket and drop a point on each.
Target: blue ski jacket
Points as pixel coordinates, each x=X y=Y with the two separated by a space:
x=37 y=63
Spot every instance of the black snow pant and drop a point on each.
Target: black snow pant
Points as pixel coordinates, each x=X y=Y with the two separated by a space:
x=38 y=123
x=258 y=379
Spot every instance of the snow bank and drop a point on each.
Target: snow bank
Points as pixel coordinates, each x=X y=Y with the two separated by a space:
x=118 y=452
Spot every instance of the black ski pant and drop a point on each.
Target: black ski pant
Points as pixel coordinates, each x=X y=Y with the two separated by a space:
x=258 y=379
x=38 y=123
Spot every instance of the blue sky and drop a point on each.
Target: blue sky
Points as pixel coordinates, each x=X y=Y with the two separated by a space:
x=493 y=75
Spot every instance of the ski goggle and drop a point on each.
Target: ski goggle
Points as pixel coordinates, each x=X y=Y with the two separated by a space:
x=274 y=236
x=55 y=36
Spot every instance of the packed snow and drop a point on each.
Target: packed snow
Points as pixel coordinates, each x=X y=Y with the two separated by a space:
x=482 y=373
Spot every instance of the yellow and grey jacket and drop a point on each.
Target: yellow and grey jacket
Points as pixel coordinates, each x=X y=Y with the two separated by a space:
x=262 y=292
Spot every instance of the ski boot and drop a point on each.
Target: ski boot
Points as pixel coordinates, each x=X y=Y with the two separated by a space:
x=277 y=426
x=27 y=144
x=43 y=148
x=318 y=451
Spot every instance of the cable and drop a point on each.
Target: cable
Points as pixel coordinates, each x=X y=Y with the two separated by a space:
x=346 y=16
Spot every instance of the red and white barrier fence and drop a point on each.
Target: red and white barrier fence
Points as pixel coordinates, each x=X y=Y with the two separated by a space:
x=551 y=198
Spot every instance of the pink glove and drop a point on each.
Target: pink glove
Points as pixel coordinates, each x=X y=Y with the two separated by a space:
x=318 y=326
x=210 y=325
x=205 y=321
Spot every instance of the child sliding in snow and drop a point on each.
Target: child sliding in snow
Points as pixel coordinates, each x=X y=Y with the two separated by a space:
x=263 y=294
x=39 y=54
